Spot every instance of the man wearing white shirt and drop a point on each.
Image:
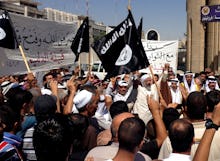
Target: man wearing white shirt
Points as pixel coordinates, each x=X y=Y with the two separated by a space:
x=141 y=105
x=188 y=82
x=126 y=92
x=175 y=91
x=196 y=111
x=211 y=84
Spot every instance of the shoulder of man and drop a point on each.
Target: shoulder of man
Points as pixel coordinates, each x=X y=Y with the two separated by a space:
x=142 y=157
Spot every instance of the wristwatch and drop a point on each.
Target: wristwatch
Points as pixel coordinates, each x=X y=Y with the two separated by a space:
x=209 y=124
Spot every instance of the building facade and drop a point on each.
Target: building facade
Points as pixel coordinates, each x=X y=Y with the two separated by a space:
x=203 y=39
x=60 y=16
x=30 y=8
x=23 y=7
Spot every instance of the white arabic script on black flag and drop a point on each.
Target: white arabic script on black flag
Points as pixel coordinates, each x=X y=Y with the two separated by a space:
x=7 y=34
x=81 y=40
x=121 y=50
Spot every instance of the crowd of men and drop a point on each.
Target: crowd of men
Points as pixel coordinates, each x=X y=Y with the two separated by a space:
x=136 y=116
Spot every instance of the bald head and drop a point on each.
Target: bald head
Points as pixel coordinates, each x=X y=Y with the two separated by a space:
x=116 y=123
x=181 y=134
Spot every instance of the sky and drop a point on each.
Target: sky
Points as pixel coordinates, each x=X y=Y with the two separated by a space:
x=168 y=17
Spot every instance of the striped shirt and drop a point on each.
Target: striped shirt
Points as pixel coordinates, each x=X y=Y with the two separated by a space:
x=8 y=152
x=28 y=148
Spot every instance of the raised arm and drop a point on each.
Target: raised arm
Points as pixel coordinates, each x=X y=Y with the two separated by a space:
x=161 y=132
x=72 y=87
x=54 y=89
x=202 y=152
x=183 y=92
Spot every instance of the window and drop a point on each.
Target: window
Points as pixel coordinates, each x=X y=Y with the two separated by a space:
x=95 y=67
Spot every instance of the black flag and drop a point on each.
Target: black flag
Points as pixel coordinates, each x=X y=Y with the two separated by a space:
x=121 y=51
x=140 y=28
x=81 y=40
x=7 y=34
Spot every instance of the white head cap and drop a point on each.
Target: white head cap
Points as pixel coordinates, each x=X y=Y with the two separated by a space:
x=6 y=86
x=174 y=80
x=82 y=98
x=122 y=83
x=212 y=79
x=145 y=76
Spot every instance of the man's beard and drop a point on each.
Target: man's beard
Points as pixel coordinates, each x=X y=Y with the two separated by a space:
x=148 y=87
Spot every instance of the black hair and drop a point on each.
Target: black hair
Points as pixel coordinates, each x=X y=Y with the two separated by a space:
x=181 y=134
x=202 y=72
x=17 y=97
x=90 y=88
x=196 y=105
x=78 y=125
x=213 y=98
x=47 y=74
x=44 y=107
x=196 y=75
x=51 y=140
x=117 y=108
x=169 y=115
x=151 y=131
x=156 y=75
x=1 y=131
x=8 y=117
x=179 y=77
x=130 y=134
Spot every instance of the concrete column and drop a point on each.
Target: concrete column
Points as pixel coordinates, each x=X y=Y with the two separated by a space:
x=213 y=37
x=195 y=36
x=25 y=11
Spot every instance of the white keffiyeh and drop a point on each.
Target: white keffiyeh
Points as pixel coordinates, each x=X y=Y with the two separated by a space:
x=176 y=96
x=119 y=97
x=192 y=87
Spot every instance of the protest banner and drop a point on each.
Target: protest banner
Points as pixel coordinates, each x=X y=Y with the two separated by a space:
x=45 y=43
x=161 y=52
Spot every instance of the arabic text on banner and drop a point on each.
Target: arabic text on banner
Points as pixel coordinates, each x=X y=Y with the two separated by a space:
x=161 y=52
x=46 y=45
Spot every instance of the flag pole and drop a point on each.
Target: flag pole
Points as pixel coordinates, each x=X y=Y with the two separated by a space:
x=129 y=4
x=19 y=45
x=79 y=58
x=79 y=66
x=89 y=55
x=24 y=58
